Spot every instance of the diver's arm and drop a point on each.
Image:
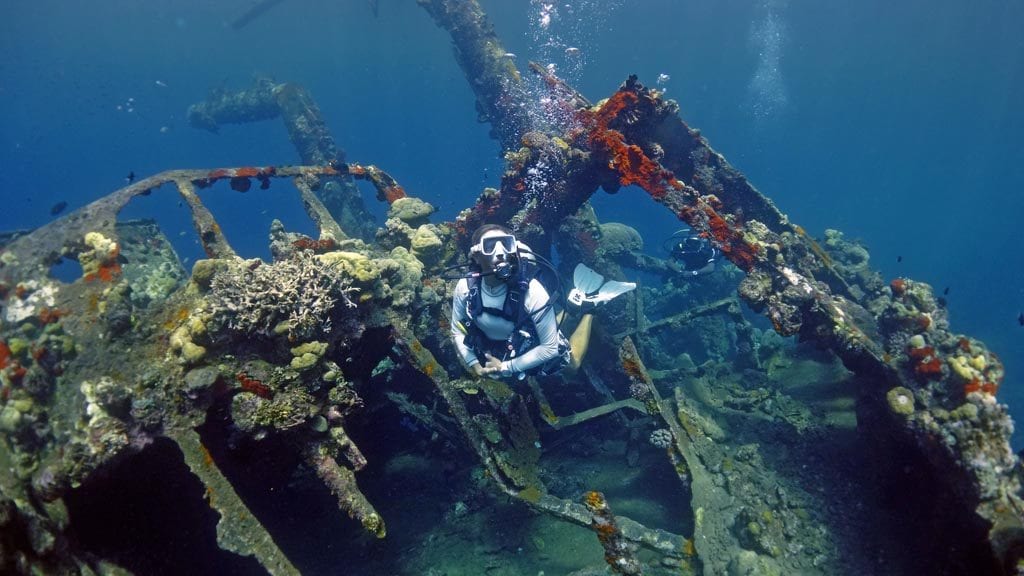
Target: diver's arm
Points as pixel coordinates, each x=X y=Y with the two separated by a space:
x=459 y=317
x=547 y=333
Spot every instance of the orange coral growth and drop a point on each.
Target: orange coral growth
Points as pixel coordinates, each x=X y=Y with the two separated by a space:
x=247 y=172
x=392 y=193
x=307 y=243
x=217 y=174
x=635 y=167
x=105 y=273
x=207 y=460
x=964 y=344
x=109 y=270
x=5 y=354
x=50 y=315
x=978 y=385
x=689 y=550
x=614 y=106
x=921 y=353
x=629 y=160
x=740 y=252
x=605 y=531
x=930 y=368
x=632 y=369
x=594 y=500
x=253 y=385
x=899 y=286
x=926 y=362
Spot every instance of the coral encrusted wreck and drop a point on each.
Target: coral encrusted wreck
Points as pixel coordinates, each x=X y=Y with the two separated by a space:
x=764 y=439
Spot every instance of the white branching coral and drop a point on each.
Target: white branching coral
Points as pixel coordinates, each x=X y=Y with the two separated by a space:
x=298 y=294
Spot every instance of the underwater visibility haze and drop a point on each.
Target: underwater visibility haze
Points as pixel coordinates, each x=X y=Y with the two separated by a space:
x=231 y=232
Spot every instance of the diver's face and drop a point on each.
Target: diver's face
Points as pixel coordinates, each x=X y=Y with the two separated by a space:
x=496 y=250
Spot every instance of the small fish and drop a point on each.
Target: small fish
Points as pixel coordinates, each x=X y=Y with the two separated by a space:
x=572 y=51
x=899 y=258
x=161 y=83
x=945 y=292
x=130 y=177
x=1020 y=318
x=58 y=208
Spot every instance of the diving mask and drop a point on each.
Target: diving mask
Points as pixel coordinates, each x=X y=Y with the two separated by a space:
x=489 y=244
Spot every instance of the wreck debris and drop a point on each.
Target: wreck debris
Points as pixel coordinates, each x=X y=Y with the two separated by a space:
x=342 y=483
x=285 y=385
x=500 y=91
x=237 y=530
x=930 y=391
x=308 y=132
x=636 y=138
x=618 y=551
x=526 y=487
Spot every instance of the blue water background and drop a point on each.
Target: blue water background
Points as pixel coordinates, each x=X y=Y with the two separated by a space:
x=898 y=123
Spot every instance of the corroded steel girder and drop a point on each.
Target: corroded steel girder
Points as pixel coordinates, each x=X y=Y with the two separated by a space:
x=48 y=244
x=790 y=279
x=307 y=130
x=501 y=96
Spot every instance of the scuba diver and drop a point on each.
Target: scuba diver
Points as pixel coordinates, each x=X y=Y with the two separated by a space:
x=504 y=321
x=693 y=252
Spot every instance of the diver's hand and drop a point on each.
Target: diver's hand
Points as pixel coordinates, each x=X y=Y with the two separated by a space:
x=491 y=366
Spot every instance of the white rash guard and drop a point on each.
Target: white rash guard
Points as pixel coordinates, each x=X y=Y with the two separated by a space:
x=499 y=329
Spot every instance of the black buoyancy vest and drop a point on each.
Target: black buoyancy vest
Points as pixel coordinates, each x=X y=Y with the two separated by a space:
x=514 y=307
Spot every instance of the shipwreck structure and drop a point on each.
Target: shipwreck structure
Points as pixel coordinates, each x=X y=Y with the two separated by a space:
x=288 y=349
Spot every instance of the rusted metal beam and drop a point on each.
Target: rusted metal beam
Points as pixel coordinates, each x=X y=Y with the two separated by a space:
x=308 y=132
x=501 y=96
x=61 y=238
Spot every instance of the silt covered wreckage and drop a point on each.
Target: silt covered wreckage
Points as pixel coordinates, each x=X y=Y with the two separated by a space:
x=138 y=352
